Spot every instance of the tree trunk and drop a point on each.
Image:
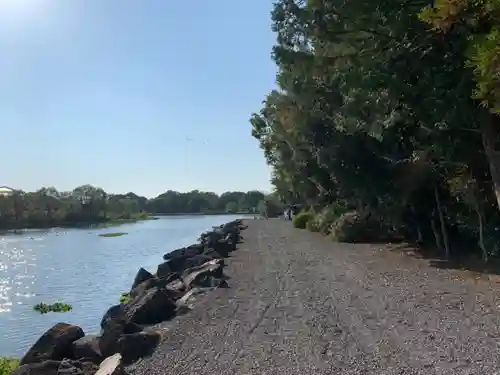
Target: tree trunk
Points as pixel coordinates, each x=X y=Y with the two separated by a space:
x=415 y=218
x=491 y=143
x=437 y=235
x=481 y=233
x=444 y=231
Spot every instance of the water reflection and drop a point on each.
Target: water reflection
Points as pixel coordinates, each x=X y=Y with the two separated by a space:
x=80 y=268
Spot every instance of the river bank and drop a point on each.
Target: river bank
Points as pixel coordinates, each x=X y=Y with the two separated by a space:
x=127 y=328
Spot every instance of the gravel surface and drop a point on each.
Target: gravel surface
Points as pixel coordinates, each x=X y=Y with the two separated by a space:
x=301 y=304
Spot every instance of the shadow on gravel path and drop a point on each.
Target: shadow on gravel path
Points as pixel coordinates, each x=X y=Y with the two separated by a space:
x=461 y=262
x=300 y=304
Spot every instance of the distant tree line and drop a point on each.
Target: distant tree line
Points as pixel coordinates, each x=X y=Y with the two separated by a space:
x=195 y=201
x=87 y=204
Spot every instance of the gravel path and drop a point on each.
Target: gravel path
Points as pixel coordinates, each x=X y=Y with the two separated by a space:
x=301 y=304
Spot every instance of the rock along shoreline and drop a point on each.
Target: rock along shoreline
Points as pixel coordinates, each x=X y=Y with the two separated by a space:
x=128 y=330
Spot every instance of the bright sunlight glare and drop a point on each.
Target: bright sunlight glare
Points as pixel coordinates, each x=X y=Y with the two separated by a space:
x=17 y=14
x=20 y=8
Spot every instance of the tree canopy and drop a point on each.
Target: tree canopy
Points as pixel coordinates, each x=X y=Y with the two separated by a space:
x=389 y=108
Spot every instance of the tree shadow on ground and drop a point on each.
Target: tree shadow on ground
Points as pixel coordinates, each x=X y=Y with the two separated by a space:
x=461 y=259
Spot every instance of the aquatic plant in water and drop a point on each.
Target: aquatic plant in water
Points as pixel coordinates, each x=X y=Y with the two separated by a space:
x=44 y=308
x=117 y=234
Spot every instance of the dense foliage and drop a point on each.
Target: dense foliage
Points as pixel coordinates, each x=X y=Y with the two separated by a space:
x=386 y=113
x=87 y=204
x=7 y=365
x=302 y=219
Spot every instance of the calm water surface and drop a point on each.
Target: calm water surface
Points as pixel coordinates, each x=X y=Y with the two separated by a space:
x=80 y=268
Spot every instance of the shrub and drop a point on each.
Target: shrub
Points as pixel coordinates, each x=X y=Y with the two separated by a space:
x=362 y=227
x=300 y=220
x=7 y=365
x=326 y=217
x=313 y=225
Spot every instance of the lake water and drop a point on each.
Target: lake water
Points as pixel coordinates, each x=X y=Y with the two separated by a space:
x=78 y=267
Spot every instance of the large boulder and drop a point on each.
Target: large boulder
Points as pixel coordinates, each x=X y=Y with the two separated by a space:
x=114 y=313
x=140 y=289
x=185 y=252
x=179 y=265
x=197 y=261
x=55 y=344
x=232 y=239
x=170 y=284
x=177 y=288
x=223 y=247
x=112 y=366
x=137 y=345
x=42 y=368
x=154 y=306
x=164 y=269
x=70 y=367
x=204 y=275
x=108 y=342
x=232 y=226
x=142 y=275
x=210 y=239
x=171 y=278
x=212 y=253
x=115 y=324
x=51 y=367
x=87 y=348
x=213 y=262
x=158 y=282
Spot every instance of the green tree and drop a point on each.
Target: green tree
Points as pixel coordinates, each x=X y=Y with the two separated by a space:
x=375 y=114
x=232 y=207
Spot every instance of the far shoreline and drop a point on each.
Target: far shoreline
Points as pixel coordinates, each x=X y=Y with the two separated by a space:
x=117 y=221
x=208 y=214
x=82 y=224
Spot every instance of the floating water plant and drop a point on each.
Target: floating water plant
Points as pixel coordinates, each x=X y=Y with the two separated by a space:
x=117 y=234
x=44 y=308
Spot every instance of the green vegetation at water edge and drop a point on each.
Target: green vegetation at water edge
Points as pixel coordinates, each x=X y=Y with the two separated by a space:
x=125 y=297
x=7 y=365
x=90 y=205
x=44 y=308
x=386 y=120
x=117 y=234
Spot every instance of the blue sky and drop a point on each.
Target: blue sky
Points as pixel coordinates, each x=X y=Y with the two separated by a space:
x=133 y=95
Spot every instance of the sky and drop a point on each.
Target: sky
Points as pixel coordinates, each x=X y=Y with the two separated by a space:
x=133 y=95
